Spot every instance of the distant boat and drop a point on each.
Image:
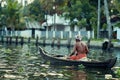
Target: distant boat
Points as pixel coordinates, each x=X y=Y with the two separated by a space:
x=57 y=60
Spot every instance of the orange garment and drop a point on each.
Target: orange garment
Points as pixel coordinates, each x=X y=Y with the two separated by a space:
x=81 y=50
x=77 y=57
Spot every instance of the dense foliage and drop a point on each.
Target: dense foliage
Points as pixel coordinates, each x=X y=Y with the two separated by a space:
x=11 y=15
x=79 y=12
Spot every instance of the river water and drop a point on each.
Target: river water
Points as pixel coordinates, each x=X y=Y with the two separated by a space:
x=25 y=63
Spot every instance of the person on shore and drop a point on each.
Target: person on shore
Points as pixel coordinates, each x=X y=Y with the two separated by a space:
x=107 y=45
x=80 y=50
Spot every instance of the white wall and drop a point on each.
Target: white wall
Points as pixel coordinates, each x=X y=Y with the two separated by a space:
x=26 y=33
x=40 y=34
x=37 y=33
x=67 y=28
x=118 y=32
x=58 y=20
x=23 y=2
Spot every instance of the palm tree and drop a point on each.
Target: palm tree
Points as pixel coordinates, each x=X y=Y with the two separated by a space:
x=108 y=19
x=12 y=12
x=98 y=24
x=12 y=15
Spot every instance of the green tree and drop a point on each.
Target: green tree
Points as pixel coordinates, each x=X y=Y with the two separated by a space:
x=49 y=5
x=12 y=12
x=36 y=12
x=116 y=4
x=79 y=9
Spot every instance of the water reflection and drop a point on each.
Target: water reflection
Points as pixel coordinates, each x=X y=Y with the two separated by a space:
x=78 y=75
x=14 y=61
x=96 y=54
x=25 y=63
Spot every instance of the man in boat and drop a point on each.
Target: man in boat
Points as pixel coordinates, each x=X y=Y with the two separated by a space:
x=80 y=50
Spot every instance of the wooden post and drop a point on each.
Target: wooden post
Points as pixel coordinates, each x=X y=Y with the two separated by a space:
x=10 y=42
x=44 y=42
x=37 y=41
x=58 y=43
x=16 y=40
x=29 y=40
x=7 y=40
x=53 y=43
x=69 y=43
x=2 y=39
x=22 y=40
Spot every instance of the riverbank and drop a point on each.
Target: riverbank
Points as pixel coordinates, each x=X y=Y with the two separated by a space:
x=93 y=43
x=53 y=42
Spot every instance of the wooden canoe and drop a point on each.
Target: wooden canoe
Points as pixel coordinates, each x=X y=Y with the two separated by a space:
x=66 y=62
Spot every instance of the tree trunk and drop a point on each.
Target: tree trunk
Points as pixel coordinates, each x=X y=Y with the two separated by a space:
x=108 y=19
x=98 y=22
